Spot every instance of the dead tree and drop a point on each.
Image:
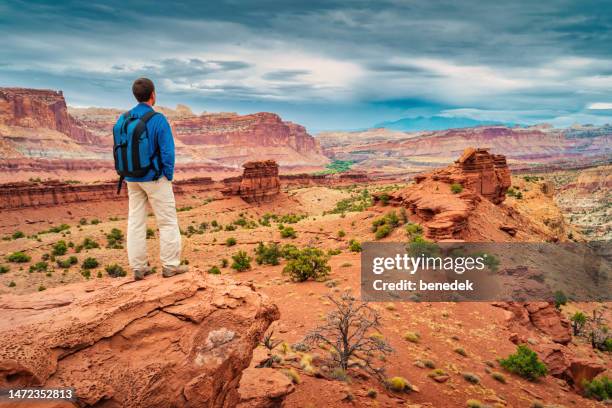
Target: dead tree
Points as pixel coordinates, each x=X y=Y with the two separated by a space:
x=351 y=330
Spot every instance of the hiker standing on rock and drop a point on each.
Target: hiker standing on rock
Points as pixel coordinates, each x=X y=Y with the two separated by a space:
x=144 y=156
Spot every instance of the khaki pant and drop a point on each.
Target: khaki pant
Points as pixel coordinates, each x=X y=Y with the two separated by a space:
x=161 y=197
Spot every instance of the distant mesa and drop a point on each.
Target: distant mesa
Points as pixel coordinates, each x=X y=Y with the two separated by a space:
x=260 y=181
x=428 y=123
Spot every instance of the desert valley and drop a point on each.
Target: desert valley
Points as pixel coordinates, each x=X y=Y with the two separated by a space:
x=273 y=220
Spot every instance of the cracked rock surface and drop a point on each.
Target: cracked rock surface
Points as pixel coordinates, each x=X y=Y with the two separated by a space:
x=178 y=342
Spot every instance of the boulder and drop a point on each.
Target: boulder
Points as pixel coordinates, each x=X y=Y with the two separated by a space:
x=263 y=388
x=541 y=316
x=562 y=364
x=178 y=342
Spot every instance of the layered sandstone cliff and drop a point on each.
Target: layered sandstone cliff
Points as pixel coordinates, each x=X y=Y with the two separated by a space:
x=180 y=342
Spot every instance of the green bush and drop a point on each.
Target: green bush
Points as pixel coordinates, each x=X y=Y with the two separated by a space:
x=4 y=269
x=115 y=271
x=12 y=284
x=41 y=288
x=86 y=273
x=354 y=246
x=19 y=257
x=83 y=221
x=560 y=298
x=341 y=234
x=115 y=239
x=17 y=235
x=524 y=362
x=267 y=254
x=224 y=263
x=95 y=221
x=384 y=198
x=599 y=388
x=67 y=263
x=41 y=266
x=291 y=218
x=242 y=261
x=90 y=263
x=87 y=243
x=57 y=229
x=288 y=232
x=230 y=242
x=579 y=320
x=290 y=251
x=59 y=248
x=151 y=233
x=383 y=231
x=308 y=263
x=456 y=188
x=413 y=230
x=214 y=270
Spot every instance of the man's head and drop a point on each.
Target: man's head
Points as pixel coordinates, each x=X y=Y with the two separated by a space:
x=144 y=91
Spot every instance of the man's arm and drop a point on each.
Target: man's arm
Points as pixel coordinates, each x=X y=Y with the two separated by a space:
x=166 y=148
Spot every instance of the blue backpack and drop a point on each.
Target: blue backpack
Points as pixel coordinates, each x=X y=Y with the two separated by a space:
x=132 y=151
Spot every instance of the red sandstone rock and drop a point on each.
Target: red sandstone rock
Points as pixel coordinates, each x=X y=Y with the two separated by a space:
x=542 y=316
x=563 y=364
x=260 y=182
x=263 y=388
x=180 y=342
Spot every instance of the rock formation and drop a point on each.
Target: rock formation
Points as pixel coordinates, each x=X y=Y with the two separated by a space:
x=541 y=316
x=259 y=182
x=180 y=342
x=481 y=180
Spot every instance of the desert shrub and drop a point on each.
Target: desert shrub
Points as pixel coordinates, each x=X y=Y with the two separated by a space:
x=12 y=284
x=151 y=233
x=429 y=364
x=456 y=188
x=242 y=261
x=95 y=221
x=599 y=388
x=68 y=262
x=230 y=227
x=4 y=269
x=90 y=263
x=334 y=252
x=83 y=221
x=354 y=246
x=224 y=263
x=289 y=251
x=17 y=235
x=57 y=229
x=214 y=270
x=471 y=378
x=384 y=198
x=579 y=320
x=498 y=377
x=560 y=298
x=291 y=218
x=348 y=332
x=115 y=271
x=59 y=248
x=288 y=232
x=413 y=230
x=372 y=393
x=185 y=208
x=87 y=243
x=341 y=234
x=41 y=288
x=86 y=273
x=308 y=263
x=383 y=231
x=292 y=375
x=398 y=384
x=412 y=337
x=41 y=266
x=460 y=351
x=267 y=254
x=473 y=403
x=231 y=241
x=115 y=239
x=524 y=362
x=18 y=257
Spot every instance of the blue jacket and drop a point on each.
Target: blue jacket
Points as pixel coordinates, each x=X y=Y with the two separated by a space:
x=160 y=134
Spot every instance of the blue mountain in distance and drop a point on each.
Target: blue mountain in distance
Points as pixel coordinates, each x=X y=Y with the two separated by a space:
x=424 y=123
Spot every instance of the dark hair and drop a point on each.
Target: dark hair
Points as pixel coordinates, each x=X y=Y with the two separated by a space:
x=142 y=89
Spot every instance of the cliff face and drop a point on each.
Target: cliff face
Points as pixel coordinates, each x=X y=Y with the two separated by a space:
x=180 y=342
x=260 y=182
x=35 y=108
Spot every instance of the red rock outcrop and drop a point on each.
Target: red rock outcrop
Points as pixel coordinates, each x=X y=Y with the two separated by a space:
x=180 y=342
x=41 y=108
x=484 y=179
x=259 y=182
x=541 y=316
x=263 y=388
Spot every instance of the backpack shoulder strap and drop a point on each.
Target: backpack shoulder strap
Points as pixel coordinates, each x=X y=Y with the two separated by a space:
x=145 y=118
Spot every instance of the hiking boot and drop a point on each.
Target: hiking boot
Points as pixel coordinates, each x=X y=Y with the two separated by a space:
x=139 y=274
x=170 y=271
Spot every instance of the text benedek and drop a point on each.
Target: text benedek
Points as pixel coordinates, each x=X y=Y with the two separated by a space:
x=408 y=285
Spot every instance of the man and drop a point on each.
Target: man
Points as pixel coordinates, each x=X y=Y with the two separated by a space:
x=155 y=187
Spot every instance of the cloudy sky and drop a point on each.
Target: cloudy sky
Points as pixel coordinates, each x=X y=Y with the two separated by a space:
x=327 y=64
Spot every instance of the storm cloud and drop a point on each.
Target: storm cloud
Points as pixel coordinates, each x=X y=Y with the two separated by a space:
x=326 y=64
